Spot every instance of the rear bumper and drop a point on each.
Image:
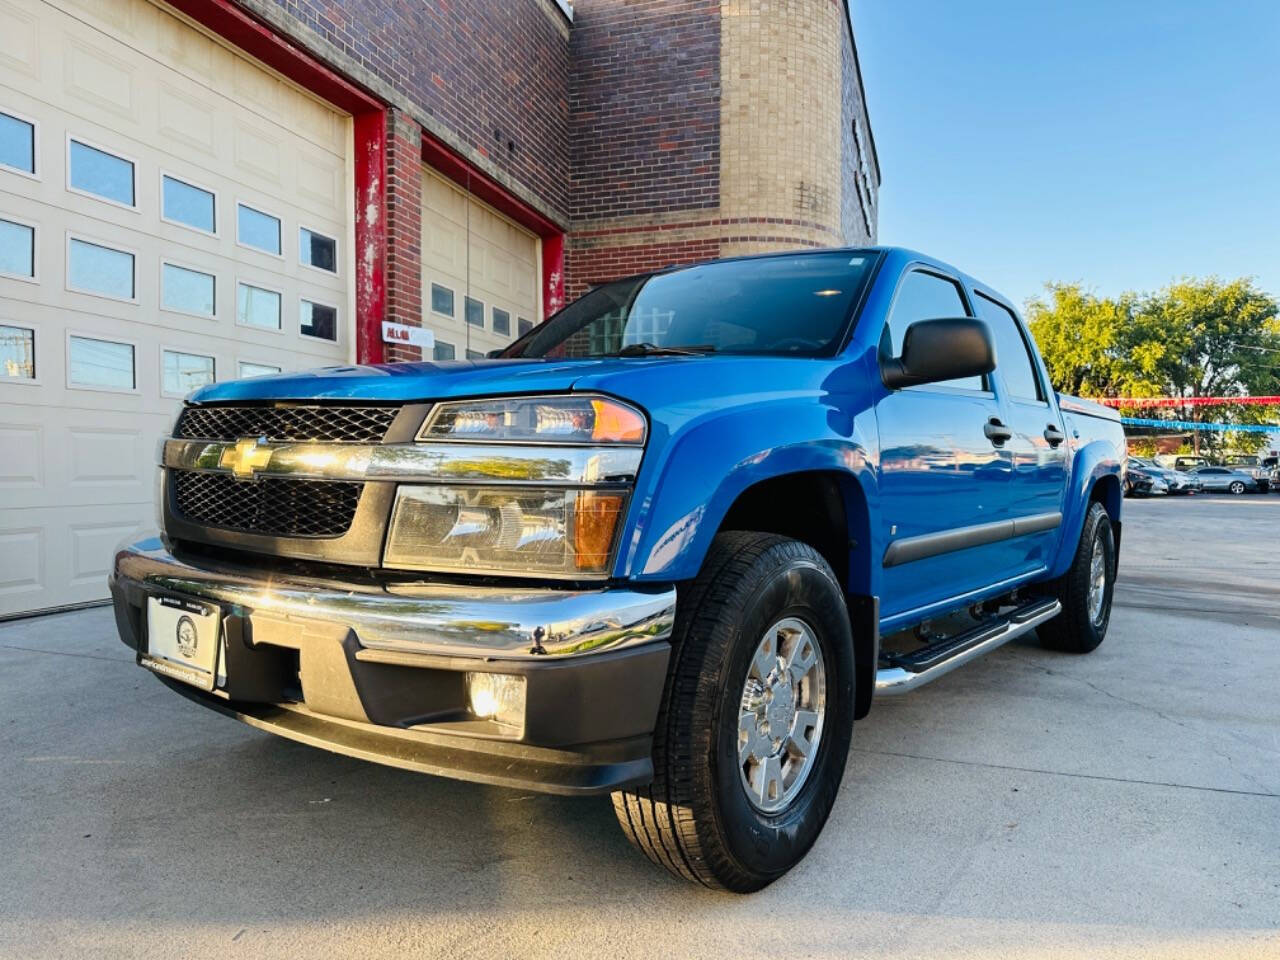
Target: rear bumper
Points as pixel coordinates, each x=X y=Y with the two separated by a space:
x=380 y=672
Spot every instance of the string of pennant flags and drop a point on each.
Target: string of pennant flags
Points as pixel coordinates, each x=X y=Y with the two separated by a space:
x=1185 y=401
x=1180 y=425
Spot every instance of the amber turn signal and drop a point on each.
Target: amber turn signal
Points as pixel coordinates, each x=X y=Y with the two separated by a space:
x=595 y=521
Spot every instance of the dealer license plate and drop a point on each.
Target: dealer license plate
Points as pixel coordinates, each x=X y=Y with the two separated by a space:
x=183 y=640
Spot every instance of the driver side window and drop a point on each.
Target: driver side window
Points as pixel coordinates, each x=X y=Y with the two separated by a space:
x=926 y=296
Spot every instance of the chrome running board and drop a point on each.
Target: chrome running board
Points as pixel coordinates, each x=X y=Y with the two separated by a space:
x=894 y=680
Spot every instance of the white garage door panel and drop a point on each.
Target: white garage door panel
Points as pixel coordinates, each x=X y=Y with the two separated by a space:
x=472 y=250
x=139 y=81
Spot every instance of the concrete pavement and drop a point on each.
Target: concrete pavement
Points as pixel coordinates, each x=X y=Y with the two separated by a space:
x=1030 y=805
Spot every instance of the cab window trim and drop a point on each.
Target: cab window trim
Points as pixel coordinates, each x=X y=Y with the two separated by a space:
x=920 y=266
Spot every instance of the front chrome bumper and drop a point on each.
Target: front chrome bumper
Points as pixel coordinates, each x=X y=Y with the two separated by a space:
x=378 y=669
x=420 y=617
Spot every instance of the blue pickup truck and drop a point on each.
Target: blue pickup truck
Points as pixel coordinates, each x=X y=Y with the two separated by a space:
x=668 y=546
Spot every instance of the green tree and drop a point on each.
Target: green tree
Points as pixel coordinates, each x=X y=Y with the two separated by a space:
x=1088 y=342
x=1194 y=338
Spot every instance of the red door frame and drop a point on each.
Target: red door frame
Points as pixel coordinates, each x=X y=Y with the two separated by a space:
x=369 y=123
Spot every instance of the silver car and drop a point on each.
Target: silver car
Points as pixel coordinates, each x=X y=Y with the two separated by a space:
x=1178 y=481
x=1225 y=479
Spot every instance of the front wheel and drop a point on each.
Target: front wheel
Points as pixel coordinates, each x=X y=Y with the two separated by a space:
x=1085 y=591
x=753 y=732
x=1237 y=487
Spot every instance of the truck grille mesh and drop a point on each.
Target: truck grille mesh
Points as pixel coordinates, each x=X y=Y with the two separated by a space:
x=270 y=507
x=325 y=424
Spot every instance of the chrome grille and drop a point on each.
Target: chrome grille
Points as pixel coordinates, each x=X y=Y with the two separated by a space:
x=271 y=507
x=305 y=424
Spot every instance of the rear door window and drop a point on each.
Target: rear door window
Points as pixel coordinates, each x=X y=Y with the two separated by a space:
x=1013 y=356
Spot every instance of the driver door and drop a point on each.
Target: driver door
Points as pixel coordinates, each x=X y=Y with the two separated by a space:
x=942 y=478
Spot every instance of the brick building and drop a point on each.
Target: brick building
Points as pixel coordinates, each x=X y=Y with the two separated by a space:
x=208 y=189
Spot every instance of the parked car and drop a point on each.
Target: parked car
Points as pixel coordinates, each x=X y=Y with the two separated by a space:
x=1141 y=482
x=1251 y=465
x=1178 y=481
x=1225 y=479
x=668 y=547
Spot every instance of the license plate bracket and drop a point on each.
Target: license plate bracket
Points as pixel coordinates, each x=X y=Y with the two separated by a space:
x=184 y=640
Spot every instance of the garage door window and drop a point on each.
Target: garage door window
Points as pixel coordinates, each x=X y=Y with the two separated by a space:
x=102 y=364
x=317 y=250
x=258 y=230
x=501 y=322
x=318 y=320
x=97 y=269
x=188 y=205
x=258 y=307
x=17 y=144
x=184 y=372
x=186 y=290
x=99 y=174
x=17 y=353
x=524 y=326
x=441 y=300
x=443 y=351
x=475 y=311
x=17 y=250
x=250 y=369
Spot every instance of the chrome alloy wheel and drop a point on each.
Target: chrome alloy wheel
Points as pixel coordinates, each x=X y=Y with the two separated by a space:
x=1097 y=581
x=784 y=703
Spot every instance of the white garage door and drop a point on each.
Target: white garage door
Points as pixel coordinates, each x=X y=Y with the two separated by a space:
x=170 y=213
x=479 y=272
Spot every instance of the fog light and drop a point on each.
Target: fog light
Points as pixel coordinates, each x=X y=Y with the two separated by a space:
x=498 y=697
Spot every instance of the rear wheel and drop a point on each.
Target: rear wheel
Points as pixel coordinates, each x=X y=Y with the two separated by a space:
x=1085 y=591
x=753 y=733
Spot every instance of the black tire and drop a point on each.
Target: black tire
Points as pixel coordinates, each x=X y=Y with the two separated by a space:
x=1237 y=487
x=695 y=818
x=1076 y=629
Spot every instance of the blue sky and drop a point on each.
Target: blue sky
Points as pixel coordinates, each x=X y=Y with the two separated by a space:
x=1121 y=144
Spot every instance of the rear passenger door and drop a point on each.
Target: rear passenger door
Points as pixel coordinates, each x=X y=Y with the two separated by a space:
x=1038 y=448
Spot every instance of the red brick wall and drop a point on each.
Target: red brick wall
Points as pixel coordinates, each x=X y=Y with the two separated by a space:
x=404 y=228
x=644 y=94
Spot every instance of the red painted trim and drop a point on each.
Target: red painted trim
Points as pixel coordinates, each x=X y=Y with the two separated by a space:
x=261 y=42
x=369 y=128
x=447 y=162
x=444 y=160
x=552 y=274
x=370 y=137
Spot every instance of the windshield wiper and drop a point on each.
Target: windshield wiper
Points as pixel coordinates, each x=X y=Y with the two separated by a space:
x=647 y=349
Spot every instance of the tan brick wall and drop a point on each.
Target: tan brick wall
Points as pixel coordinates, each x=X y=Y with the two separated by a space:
x=779 y=169
x=780 y=118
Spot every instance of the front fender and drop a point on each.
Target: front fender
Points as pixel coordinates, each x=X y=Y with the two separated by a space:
x=1089 y=465
x=691 y=479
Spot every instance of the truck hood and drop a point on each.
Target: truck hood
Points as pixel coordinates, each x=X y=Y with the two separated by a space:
x=407 y=382
x=652 y=382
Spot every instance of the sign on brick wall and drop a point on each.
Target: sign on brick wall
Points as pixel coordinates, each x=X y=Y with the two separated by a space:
x=404 y=333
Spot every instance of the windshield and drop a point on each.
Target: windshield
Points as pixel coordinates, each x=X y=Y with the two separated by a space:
x=793 y=305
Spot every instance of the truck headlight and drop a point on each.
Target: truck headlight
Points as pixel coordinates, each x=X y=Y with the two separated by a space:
x=530 y=531
x=526 y=486
x=555 y=419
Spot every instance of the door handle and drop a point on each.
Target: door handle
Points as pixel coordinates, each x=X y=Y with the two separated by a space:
x=996 y=431
x=1054 y=435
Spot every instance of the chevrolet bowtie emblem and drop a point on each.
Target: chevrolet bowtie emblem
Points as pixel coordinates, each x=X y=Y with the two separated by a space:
x=245 y=457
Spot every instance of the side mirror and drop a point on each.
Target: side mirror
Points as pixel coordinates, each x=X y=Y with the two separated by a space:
x=495 y=353
x=937 y=350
